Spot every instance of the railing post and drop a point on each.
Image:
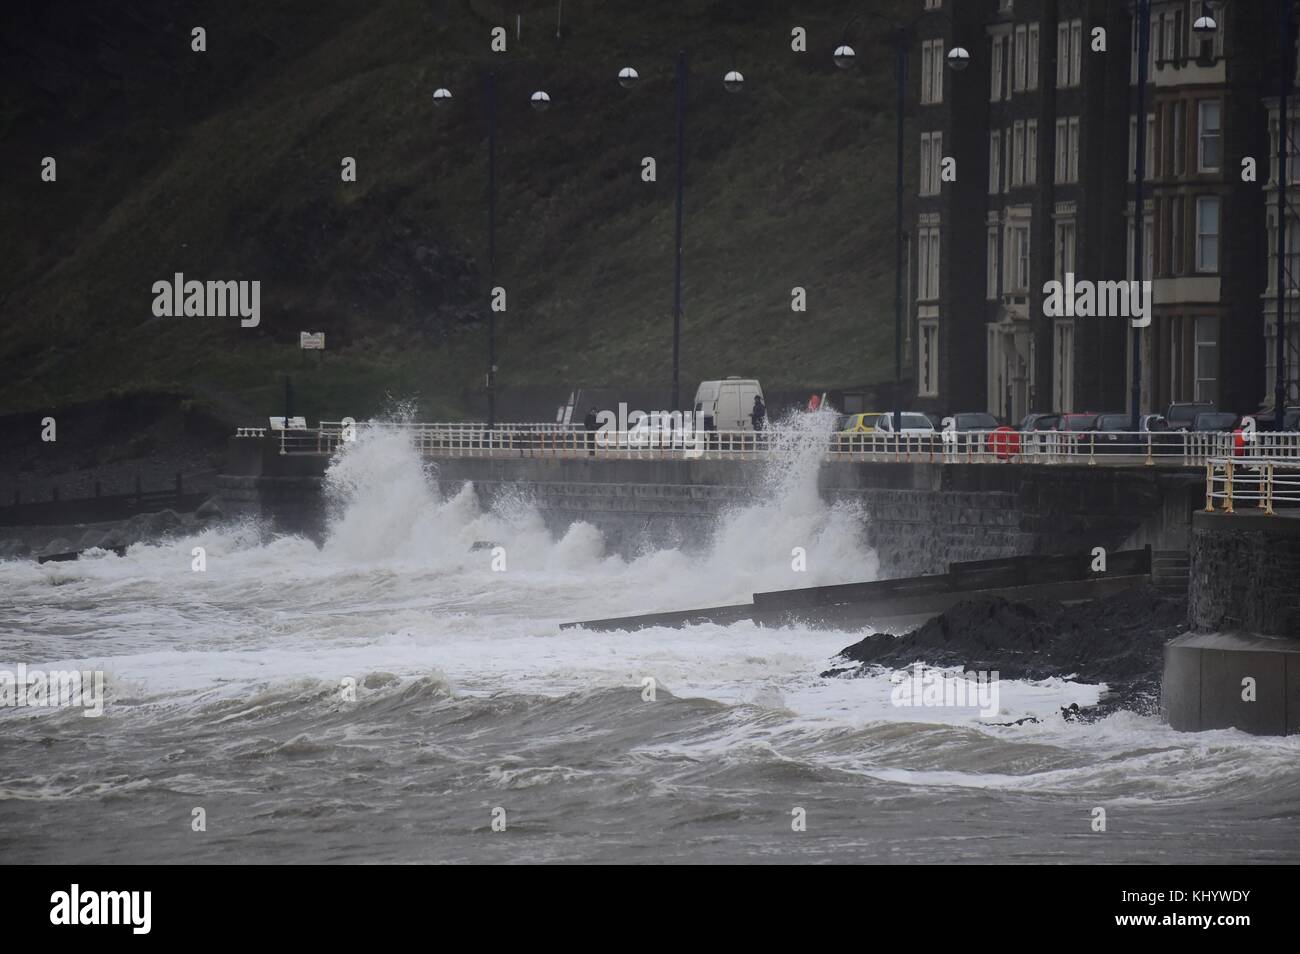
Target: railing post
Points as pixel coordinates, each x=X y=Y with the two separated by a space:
x=1268 y=491
x=1150 y=458
x=1227 y=473
x=1209 y=486
x=1092 y=448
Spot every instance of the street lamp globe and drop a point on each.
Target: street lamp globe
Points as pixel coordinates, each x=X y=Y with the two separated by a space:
x=845 y=58
x=1205 y=26
x=733 y=82
x=441 y=96
x=541 y=101
x=958 y=58
x=627 y=77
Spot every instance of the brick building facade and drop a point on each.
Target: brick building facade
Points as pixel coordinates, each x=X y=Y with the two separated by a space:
x=1043 y=130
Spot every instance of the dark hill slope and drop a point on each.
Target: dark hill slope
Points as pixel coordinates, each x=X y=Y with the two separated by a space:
x=225 y=165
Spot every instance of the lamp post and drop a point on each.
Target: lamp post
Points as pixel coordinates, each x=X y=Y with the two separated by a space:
x=845 y=57
x=733 y=81
x=540 y=100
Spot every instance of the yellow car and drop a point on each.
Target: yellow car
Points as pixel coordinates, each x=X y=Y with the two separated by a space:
x=876 y=422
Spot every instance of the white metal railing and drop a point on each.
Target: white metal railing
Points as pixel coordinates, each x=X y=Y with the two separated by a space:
x=1170 y=449
x=1264 y=482
x=475 y=440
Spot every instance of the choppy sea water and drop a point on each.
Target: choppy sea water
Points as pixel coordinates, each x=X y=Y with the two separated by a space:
x=226 y=693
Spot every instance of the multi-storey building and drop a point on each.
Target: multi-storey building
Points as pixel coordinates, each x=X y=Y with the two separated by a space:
x=1291 y=274
x=1043 y=126
x=1206 y=256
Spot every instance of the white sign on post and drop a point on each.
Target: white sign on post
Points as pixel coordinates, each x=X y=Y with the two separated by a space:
x=311 y=342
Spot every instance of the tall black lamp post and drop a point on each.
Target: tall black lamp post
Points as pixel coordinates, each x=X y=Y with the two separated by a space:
x=733 y=81
x=540 y=100
x=845 y=57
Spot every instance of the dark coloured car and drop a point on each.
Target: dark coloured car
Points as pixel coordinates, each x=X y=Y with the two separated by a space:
x=1214 y=422
x=1181 y=416
x=974 y=421
x=1265 y=420
x=1078 y=422
x=958 y=426
x=1115 y=435
x=1039 y=422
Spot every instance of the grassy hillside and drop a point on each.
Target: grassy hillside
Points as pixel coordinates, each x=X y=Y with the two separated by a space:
x=225 y=165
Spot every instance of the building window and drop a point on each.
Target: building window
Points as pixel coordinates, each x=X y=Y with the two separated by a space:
x=1290 y=152
x=1207 y=359
x=1069 y=53
x=1062 y=55
x=1292 y=277
x=1148 y=245
x=1177 y=256
x=1209 y=157
x=933 y=4
x=1207 y=233
x=1076 y=51
x=1073 y=167
x=991 y=271
x=928 y=359
x=1178 y=136
x=995 y=72
x=1018 y=153
x=927 y=273
x=1154 y=35
x=1067 y=149
x=1148 y=150
x=1017 y=260
x=931 y=162
x=1031 y=77
x=1063 y=366
x=1031 y=151
x=1021 y=57
x=1065 y=246
x=995 y=163
x=932 y=60
x=1219 y=12
x=1168 y=37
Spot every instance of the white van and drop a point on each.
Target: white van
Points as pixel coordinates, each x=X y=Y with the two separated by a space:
x=726 y=405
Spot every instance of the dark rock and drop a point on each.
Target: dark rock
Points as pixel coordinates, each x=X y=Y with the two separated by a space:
x=1117 y=640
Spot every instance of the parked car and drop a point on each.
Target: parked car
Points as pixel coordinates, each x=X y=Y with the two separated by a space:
x=855 y=431
x=1181 y=415
x=957 y=426
x=872 y=422
x=964 y=422
x=1115 y=435
x=1162 y=440
x=1265 y=420
x=1214 y=422
x=1039 y=422
x=1078 y=422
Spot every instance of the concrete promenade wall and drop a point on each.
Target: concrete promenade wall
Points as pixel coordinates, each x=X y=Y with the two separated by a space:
x=918 y=516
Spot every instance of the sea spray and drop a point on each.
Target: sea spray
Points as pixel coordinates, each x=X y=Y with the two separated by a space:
x=779 y=533
x=754 y=544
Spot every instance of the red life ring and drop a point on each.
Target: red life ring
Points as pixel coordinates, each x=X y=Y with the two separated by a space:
x=1005 y=442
